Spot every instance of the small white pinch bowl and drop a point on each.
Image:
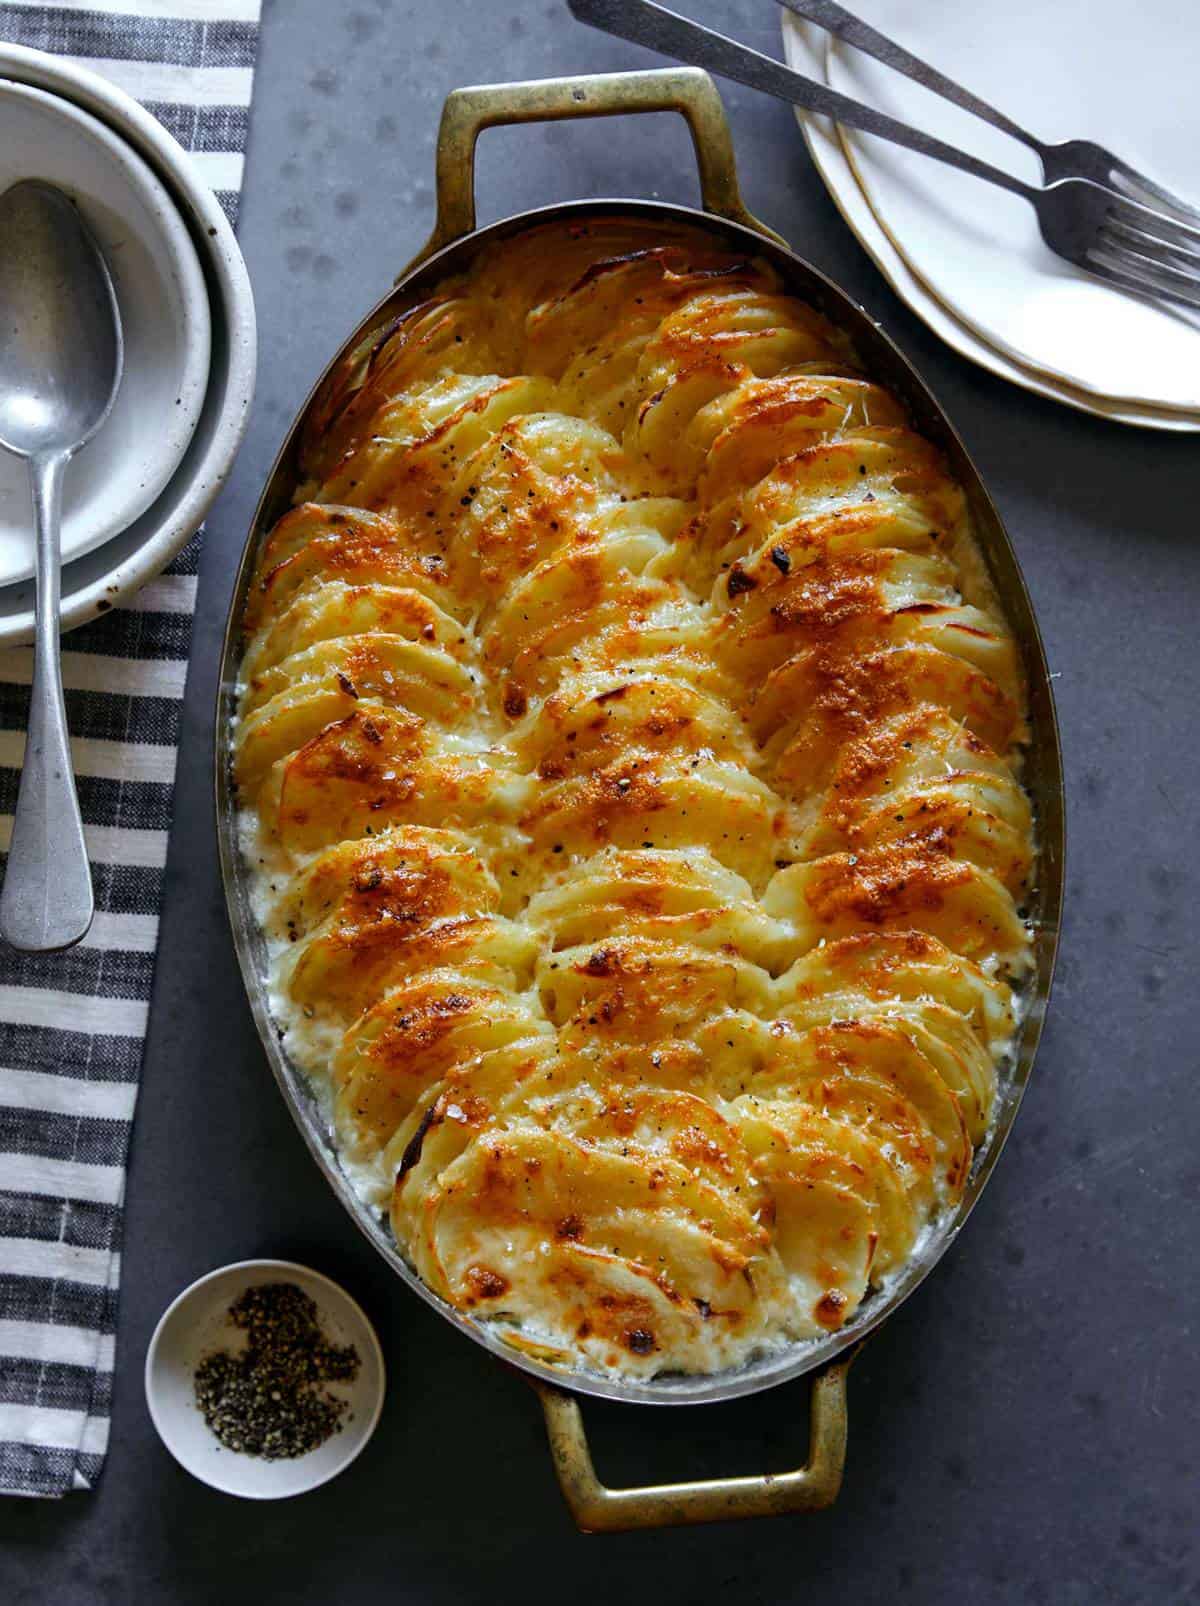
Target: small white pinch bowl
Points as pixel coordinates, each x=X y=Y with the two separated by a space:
x=165 y=321
x=197 y=1322
x=111 y=574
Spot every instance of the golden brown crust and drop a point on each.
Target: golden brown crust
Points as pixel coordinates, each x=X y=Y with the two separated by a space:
x=634 y=752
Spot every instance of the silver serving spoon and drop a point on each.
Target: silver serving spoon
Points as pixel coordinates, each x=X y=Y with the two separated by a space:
x=60 y=366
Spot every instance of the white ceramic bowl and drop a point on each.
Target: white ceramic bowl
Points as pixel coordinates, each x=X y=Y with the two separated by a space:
x=165 y=322
x=197 y=1322
x=113 y=572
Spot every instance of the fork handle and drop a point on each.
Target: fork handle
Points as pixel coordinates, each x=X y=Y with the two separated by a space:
x=672 y=35
x=844 y=25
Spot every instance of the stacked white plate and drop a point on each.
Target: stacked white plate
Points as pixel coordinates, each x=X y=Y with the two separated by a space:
x=142 y=486
x=967 y=257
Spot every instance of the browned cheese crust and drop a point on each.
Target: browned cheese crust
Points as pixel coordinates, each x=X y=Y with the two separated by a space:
x=632 y=749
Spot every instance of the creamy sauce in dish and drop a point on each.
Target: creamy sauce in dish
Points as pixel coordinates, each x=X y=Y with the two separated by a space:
x=629 y=751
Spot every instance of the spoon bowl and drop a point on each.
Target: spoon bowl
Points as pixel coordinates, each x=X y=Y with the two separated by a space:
x=61 y=359
x=60 y=332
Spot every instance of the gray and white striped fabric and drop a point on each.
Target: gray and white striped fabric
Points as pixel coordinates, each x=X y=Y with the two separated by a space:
x=72 y=1025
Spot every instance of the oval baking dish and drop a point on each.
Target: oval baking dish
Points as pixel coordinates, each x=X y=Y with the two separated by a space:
x=454 y=244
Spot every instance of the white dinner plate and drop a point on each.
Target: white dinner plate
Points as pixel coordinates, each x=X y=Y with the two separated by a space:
x=805 y=50
x=1098 y=69
x=164 y=314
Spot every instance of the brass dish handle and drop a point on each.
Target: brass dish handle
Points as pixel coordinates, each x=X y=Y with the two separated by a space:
x=599 y=1509
x=686 y=90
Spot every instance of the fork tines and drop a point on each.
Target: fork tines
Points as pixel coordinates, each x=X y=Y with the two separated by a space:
x=1143 y=248
x=1144 y=191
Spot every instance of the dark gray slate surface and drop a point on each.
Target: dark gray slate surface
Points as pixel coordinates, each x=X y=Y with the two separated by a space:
x=1024 y=1429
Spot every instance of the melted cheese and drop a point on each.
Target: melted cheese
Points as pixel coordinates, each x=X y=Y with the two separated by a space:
x=633 y=750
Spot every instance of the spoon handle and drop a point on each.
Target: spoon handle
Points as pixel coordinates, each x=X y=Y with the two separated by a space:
x=47 y=899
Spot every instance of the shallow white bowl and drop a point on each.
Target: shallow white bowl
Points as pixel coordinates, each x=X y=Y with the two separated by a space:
x=164 y=318
x=197 y=1322
x=115 y=571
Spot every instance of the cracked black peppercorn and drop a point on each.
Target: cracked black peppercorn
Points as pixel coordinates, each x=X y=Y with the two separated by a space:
x=268 y=1400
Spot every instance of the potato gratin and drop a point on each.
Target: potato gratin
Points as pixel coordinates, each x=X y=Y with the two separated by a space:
x=628 y=746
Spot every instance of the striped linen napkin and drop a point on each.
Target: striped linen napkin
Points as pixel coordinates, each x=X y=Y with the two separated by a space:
x=72 y=1025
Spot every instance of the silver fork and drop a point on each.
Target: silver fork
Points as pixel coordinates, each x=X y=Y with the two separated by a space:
x=1070 y=158
x=1121 y=240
